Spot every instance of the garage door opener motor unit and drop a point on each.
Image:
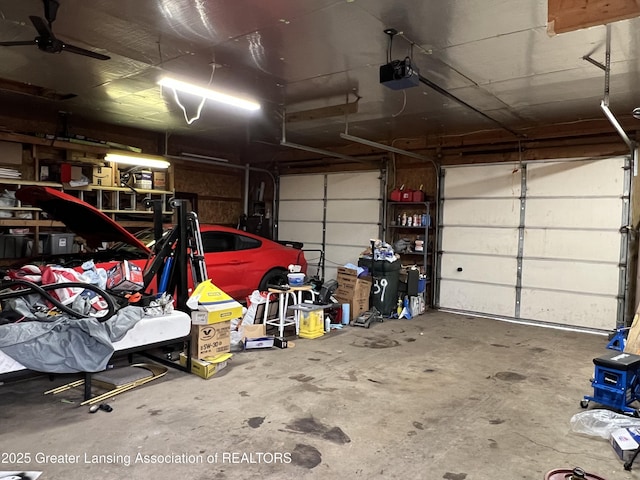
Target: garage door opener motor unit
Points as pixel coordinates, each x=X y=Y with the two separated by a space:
x=399 y=74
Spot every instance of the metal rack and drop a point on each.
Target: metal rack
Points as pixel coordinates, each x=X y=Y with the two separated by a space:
x=395 y=232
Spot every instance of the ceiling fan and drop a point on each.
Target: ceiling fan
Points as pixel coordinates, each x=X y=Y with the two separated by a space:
x=46 y=40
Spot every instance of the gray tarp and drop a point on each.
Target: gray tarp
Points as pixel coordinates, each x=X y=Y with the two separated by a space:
x=67 y=345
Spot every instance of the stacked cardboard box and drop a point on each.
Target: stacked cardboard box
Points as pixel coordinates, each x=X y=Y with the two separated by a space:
x=353 y=290
x=211 y=318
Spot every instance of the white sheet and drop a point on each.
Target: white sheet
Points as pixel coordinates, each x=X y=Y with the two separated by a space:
x=147 y=331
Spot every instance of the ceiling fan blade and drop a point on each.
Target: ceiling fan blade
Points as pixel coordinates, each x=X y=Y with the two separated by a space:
x=15 y=44
x=82 y=51
x=41 y=26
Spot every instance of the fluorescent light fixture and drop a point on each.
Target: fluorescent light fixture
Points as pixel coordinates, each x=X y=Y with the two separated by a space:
x=208 y=93
x=137 y=160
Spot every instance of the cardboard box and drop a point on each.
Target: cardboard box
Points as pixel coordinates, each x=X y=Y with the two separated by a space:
x=353 y=290
x=212 y=305
x=103 y=176
x=209 y=367
x=347 y=279
x=160 y=180
x=254 y=330
x=210 y=340
x=255 y=336
x=10 y=153
x=125 y=277
x=625 y=441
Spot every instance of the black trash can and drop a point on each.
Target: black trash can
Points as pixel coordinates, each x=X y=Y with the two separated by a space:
x=386 y=277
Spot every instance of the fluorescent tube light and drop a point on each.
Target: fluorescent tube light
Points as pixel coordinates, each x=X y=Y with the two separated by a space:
x=137 y=160
x=208 y=93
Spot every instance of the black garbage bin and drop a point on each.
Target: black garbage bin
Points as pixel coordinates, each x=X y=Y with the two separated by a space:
x=386 y=277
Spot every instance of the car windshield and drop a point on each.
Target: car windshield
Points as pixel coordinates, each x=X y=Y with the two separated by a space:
x=145 y=236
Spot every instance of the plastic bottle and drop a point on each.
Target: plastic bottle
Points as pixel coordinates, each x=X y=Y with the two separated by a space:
x=404 y=220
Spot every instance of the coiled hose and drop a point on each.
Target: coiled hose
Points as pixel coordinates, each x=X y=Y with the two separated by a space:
x=43 y=290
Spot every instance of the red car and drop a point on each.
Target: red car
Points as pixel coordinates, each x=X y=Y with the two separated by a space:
x=237 y=262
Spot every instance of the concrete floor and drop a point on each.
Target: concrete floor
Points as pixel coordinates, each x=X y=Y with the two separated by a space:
x=438 y=397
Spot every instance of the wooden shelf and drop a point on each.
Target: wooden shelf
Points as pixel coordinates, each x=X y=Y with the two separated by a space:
x=29 y=209
x=125 y=205
x=17 y=222
x=98 y=188
x=145 y=212
x=10 y=181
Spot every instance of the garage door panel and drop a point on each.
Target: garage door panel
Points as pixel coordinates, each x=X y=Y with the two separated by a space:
x=569 y=308
x=297 y=187
x=364 y=185
x=571 y=276
x=302 y=210
x=482 y=298
x=570 y=251
x=356 y=211
x=500 y=241
x=340 y=223
x=479 y=269
x=599 y=246
x=482 y=212
x=569 y=178
x=574 y=212
x=349 y=234
x=306 y=232
x=482 y=181
x=339 y=255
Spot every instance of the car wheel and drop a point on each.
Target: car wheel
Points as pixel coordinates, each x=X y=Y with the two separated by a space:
x=277 y=276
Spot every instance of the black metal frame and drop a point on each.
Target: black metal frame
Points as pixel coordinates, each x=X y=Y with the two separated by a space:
x=176 y=244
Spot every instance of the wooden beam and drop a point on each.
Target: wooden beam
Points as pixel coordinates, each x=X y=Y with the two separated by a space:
x=569 y=15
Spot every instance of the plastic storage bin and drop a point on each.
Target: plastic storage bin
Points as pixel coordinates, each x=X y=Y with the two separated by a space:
x=12 y=246
x=55 y=243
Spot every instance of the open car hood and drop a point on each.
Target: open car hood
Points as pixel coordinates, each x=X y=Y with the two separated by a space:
x=81 y=218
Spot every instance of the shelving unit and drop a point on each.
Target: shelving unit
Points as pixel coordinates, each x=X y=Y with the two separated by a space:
x=121 y=203
x=395 y=231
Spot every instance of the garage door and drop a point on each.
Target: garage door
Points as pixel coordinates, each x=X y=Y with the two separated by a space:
x=336 y=213
x=539 y=242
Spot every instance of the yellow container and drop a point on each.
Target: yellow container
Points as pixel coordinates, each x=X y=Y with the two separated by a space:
x=311 y=324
